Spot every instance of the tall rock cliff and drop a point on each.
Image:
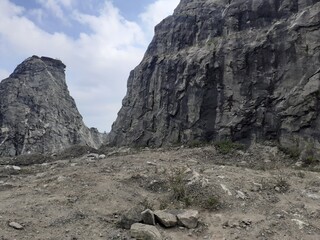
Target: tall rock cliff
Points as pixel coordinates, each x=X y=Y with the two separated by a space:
x=237 y=69
x=37 y=114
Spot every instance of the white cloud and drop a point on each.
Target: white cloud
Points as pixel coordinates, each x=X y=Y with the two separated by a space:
x=157 y=11
x=9 y=10
x=54 y=6
x=98 y=61
x=111 y=28
x=37 y=13
x=66 y=3
x=3 y=74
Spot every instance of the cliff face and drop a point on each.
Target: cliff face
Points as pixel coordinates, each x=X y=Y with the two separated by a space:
x=37 y=114
x=243 y=70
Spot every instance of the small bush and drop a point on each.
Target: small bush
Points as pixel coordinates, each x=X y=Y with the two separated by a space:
x=76 y=151
x=177 y=184
x=301 y=174
x=293 y=153
x=30 y=159
x=196 y=143
x=282 y=184
x=309 y=161
x=227 y=146
x=191 y=194
x=211 y=203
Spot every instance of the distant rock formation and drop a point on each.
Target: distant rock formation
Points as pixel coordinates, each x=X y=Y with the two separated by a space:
x=236 y=69
x=37 y=114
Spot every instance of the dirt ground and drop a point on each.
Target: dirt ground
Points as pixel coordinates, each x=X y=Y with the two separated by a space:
x=257 y=193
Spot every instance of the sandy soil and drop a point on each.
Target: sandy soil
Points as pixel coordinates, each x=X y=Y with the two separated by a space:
x=259 y=193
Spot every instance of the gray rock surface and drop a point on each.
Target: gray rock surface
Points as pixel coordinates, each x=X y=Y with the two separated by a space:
x=37 y=113
x=145 y=232
x=165 y=218
x=238 y=69
x=130 y=217
x=188 y=218
x=15 y=225
x=148 y=217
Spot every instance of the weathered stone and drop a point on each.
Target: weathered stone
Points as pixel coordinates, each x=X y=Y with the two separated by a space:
x=188 y=218
x=93 y=155
x=37 y=113
x=300 y=223
x=165 y=218
x=130 y=217
x=215 y=69
x=141 y=231
x=16 y=225
x=148 y=217
x=241 y=195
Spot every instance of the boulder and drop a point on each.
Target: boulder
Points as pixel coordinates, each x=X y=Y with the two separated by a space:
x=141 y=231
x=188 y=218
x=165 y=218
x=130 y=217
x=148 y=217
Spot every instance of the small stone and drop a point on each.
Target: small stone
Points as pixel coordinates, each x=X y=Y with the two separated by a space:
x=225 y=189
x=93 y=155
x=241 y=195
x=16 y=225
x=188 y=219
x=256 y=187
x=141 y=231
x=16 y=168
x=165 y=218
x=102 y=156
x=151 y=163
x=300 y=223
x=148 y=217
x=277 y=189
x=61 y=179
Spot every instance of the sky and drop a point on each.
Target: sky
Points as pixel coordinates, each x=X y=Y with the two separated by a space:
x=100 y=41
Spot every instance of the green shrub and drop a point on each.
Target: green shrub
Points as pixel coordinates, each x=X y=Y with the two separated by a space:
x=227 y=146
x=177 y=184
x=309 y=161
x=282 y=184
x=292 y=152
x=191 y=194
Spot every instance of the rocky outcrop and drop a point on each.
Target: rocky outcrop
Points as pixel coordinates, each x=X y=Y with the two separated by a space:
x=216 y=69
x=37 y=114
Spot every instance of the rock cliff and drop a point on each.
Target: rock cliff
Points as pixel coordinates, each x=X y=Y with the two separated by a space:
x=236 y=69
x=37 y=114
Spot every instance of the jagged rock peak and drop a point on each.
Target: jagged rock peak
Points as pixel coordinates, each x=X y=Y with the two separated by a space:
x=36 y=63
x=37 y=113
x=237 y=69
